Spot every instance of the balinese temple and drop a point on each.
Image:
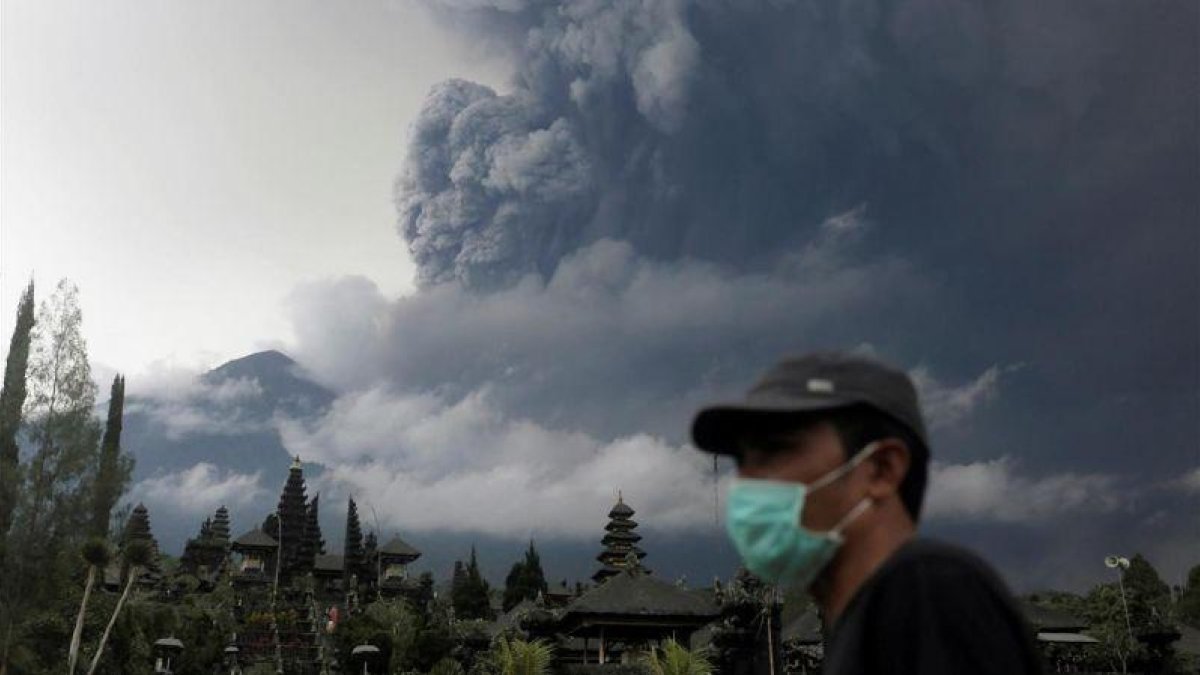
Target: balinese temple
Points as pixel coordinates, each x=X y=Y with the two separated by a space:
x=392 y=560
x=295 y=548
x=256 y=564
x=137 y=528
x=558 y=595
x=328 y=571
x=632 y=609
x=205 y=556
x=620 y=542
x=354 y=562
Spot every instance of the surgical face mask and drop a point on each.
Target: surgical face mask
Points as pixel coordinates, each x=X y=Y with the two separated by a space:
x=763 y=519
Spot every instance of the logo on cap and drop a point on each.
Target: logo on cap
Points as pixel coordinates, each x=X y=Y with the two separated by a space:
x=820 y=386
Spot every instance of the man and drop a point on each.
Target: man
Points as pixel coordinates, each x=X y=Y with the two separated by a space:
x=832 y=459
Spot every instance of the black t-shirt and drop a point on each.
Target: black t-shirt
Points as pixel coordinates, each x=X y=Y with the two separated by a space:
x=931 y=608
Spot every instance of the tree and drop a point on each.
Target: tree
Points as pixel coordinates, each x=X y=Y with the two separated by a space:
x=525 y=580
x=95 y=554
x=112 y=475
x=519 y=657
x=675 y=659
x=62 y=396
x=1148 y=595
x=470 y=592
x=1106 y=622
x=1188 y=607
x=51 y=515
x=136 y=555
x=12 y=402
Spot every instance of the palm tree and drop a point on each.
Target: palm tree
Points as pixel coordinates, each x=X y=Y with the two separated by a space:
x=675 y=659
x=95 y=553
x=518 y=657
x=446 y=666
x=137 y=555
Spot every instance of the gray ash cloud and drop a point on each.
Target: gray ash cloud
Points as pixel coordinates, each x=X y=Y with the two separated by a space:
x=668 y=195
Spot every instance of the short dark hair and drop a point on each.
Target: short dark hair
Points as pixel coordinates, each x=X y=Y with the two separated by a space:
x=856 y=426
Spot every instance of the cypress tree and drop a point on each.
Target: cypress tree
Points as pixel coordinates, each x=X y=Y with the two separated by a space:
x=270 y=525
x=113 y=472
x=352 y=549
x=525 y=580
x=473 y=597
x=12 y=402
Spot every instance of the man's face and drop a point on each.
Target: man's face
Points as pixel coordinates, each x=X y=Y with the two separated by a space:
x=806 y=457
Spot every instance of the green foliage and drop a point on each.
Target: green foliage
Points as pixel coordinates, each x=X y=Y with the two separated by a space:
x=1188 y=607
x=95 y=552
x=1105 y=614
x=519 y=657
x=12 y=402
x=115 y=467
x=446 y=666
x=136 y=553
x=525 y=580
x=470 y=592
x=675 y=659
x=51 y=513
x=390 y=625
x=1128 y=642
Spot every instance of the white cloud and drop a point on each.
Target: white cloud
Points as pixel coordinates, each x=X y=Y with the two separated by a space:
x=183 y=403
x=993 y=490
x=612 y=343
x=1188 y=482
x=947 y=405
x=200 y=489
x=465 y=467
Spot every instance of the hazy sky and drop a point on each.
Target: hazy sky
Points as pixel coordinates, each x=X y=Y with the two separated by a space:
x=187 y=164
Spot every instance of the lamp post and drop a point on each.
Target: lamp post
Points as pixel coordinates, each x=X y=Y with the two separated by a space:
x=1121 y=564
x=367 y=653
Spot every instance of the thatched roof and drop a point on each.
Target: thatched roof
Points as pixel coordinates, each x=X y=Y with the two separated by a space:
x=255 y=538
x=399 y=548
x=634 y=593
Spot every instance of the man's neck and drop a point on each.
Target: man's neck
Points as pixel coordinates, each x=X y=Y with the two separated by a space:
x=858 y=559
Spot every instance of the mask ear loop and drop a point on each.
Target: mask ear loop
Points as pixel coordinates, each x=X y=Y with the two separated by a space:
x=849 y=517
x=845 y=468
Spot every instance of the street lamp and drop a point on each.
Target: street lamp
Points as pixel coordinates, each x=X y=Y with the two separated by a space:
x=1121 y=564
x=367 y=653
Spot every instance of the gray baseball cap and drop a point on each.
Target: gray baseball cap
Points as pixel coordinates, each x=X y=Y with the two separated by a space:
x=811 y=383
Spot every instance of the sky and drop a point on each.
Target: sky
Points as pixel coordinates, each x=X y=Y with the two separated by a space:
x=523 y=241
x=188 y=165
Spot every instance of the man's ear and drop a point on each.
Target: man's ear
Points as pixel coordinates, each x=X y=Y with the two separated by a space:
x=889 y=465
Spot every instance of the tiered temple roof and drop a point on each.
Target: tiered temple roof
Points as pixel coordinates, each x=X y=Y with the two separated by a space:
x=620 y=541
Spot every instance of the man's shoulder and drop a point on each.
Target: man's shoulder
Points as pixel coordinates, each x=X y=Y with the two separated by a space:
x=934 y=553
x=933 y=565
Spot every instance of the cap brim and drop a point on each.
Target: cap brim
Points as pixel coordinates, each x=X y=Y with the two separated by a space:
x=719 y=428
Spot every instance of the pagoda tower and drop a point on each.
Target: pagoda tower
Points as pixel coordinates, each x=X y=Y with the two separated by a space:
x=620 y=542
x=220 y=525
x=137 y=528
x=311 y=545
x=293 y=515
x=352 y=548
